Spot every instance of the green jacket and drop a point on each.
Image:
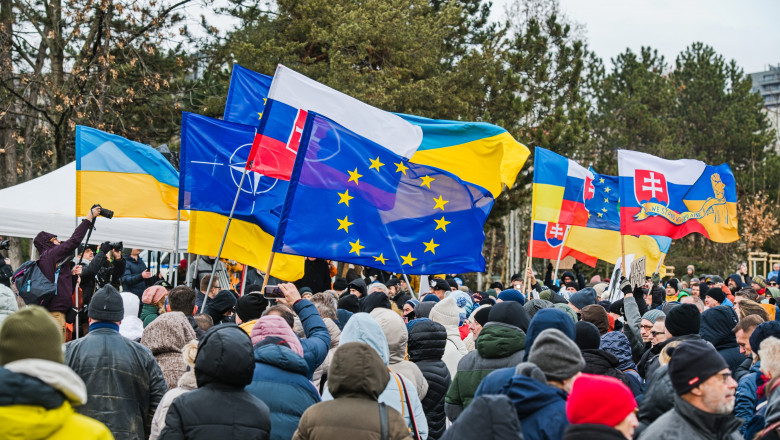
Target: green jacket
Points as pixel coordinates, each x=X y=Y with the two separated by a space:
x=149 y=313
x=499 y=345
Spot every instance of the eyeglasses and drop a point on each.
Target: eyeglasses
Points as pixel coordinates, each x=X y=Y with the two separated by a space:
x=725 y=376
x=656 y=333
x=772 y=284
x=647 y=327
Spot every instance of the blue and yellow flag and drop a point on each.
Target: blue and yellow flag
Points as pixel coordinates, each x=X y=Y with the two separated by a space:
x=480 y=153
x=374 y=208
x=130 y=178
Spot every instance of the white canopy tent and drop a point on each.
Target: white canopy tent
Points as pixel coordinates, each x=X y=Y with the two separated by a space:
x=48 y=203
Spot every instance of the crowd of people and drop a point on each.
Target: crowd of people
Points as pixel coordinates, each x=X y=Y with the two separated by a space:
x=368 y=356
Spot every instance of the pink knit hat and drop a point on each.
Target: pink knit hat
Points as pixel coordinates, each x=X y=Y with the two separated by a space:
x=153 y=294
x=273 y=325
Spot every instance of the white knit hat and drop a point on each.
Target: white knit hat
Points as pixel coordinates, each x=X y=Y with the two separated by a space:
x=446 y=312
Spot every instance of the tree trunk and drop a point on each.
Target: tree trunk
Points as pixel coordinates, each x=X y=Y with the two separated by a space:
x=7 y=125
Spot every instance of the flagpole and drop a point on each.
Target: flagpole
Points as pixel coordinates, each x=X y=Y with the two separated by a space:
x=528 y=261
x=176 y=249
x=411 y=289
x=660 y=263
x=268 y=271
x=560 y=252
x=623 y=253
x=243 y=280
x=224 y=237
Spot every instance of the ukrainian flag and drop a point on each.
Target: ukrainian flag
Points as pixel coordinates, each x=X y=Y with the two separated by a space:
x=130 y=178
x=477 y=152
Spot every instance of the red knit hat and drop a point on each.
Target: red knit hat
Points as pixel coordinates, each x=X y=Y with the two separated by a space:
x=599 y=400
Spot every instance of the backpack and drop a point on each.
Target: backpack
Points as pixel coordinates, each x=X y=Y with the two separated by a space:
x=32 y=284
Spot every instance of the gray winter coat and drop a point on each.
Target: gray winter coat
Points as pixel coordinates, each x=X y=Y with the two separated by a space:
x=687 y=422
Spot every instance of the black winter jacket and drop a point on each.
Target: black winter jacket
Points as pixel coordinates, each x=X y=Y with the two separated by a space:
x=220 y=408
x=489 y=417
x=427 y=340
x=587 y=431
x=124 y=382
x=602 y=362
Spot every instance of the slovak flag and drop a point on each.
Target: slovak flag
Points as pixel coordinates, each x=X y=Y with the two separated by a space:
x=548 y=238
x=674 y=198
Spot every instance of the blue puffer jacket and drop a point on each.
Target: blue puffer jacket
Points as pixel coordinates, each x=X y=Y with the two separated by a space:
x=746 y=399
x=540 y=408
x=317 y=341
x=617 y=344
x=280 y=381
x=132 y=280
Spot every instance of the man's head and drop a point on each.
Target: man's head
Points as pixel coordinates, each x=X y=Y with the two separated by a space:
x=747 y=293
x=326 y=305
x=702 y=377
x=690 y=269
x=31 y=333
x=770 y=357
x=182 y=299
x=517 y=282
x=582 y=298
x=747 y=307
x=378 y=287
x=204 y=284
x=776 y=267
x=658 y=333
x=648 y=321
x=744 y=329
x=45 y=241
x=135 y=252
x=714 y=297
x=284 y=312
x=695 y=289
x=88 y=252
x=558 y=357
x=695 y=300
x=681 y=320
x=250 y=307
x=357 y=287
x=478 y=320
x=392 y=287
x=571 y=287
x=672 y=287
x=440 y=288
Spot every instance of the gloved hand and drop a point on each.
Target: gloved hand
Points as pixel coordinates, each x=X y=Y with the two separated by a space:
x=576 y=267
x=625 y=286
x=639 y=292
x=105 y=247
x=549 y=267
x=656 y=278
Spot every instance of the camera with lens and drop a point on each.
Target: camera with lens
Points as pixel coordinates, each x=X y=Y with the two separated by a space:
x=5 y=245
x=116 y=246
x=104 y=212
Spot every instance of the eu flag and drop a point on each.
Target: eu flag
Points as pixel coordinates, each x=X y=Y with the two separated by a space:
x=246 y=96
x=213 y=157
x=354 y=201
x=604 y=204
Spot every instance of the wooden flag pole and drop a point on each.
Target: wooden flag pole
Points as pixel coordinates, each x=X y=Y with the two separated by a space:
x=268 y=272
x=623 y=254
x=530 y=258
x=660 y=263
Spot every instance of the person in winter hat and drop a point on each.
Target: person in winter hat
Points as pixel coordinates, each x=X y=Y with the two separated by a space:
x=478 y=320
x=153 y=301
x=131 y=326
x=397 y=337
x=447 y=314
x=682 y=320
x=357 y=378
x=490 y=417
x=599 y=408
x=597 y=360
x=364 y=328
x=704 y=398
x=583 y=298
x=596 y=315
x=617 y=344
x=185 y=384
x=124 y=381
x=427 y=341
x=37 y=391
x=220 y=407
x=220 y=308
x=714 y=297
x=538 y=388
x=672 y=289
x=279 y=378
x=500 y=344
x=545 y=319
x=717 y=324
x=249 y=308
x=165 y=337
x=511 y=295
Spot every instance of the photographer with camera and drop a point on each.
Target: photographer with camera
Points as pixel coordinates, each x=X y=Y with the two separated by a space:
x=55 y=264
x=98 y=269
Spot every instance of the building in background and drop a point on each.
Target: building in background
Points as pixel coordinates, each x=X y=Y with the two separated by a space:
x=767 y=84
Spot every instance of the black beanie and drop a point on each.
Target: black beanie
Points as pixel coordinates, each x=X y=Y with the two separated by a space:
x=251 y=306
x=674 y=284
x=375 y=300
x=717 y=294
x=253 y=288
x=684 y=319
x=510 y=312
x=481 y=315
x=587 y=336
x=692 y=363
x=340 y=284
x=350 y=303
x=616 y=307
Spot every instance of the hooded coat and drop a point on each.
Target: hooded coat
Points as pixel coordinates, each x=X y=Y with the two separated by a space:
x=427 y=340
x=357 y=379
x=541 y=408
x=499 y=345
x=397 y=337
x=598 y=361
x=617 y=344
x=446 y=313
x=363 y=328
x=317 y=341
x=37 y=399
x=166 y=336
x=220 y=407
x=544 y=319
x=51 y=256
x=131 y=326
x=716 y=328
x=8 y=304
x=123 y=380
x=491 y=417
x=186 y=384
x=279 y=378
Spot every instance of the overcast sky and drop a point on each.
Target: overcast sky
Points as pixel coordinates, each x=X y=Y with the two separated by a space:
x=745 y=30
